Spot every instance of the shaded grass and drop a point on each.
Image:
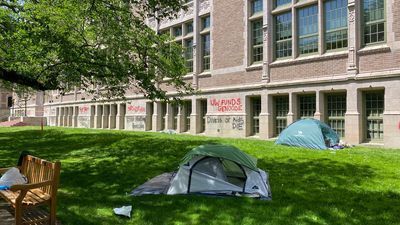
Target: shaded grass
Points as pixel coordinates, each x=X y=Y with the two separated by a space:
x=354 y=186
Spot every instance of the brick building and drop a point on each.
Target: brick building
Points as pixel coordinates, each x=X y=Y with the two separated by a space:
x=261 y=64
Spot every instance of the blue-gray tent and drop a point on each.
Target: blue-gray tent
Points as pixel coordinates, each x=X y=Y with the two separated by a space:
x=309 y=133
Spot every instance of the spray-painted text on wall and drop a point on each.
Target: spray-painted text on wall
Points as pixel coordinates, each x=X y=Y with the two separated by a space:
x=227 y=105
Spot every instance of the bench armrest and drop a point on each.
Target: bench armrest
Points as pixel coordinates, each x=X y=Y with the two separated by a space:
x=27 y=187
x=3 y=170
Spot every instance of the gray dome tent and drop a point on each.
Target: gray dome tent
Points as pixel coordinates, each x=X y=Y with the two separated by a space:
x=220 y=169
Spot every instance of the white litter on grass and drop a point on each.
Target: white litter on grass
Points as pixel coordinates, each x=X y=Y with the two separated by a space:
x=124 y=211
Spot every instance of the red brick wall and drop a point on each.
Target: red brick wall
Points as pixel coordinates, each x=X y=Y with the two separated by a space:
x=228 y=33
x=306 y=70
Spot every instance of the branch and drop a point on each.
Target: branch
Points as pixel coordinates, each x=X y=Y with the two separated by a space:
x=26 y=80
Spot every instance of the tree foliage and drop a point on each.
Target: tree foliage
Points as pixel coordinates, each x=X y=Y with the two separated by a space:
x=61 y=44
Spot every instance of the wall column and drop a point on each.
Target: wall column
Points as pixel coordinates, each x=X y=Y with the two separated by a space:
x=194 y=122
x=106 y=113
x=181 y=119
x=70 y=114
x=267 y=43
x=319 y=106
x=353 y=116
x=112 y=117
x=157 y=117
x=60 y=116
x=92 y=116
x=120 y=118
x=293 y=109
x=266 y=116
x=354 y=19
x=98 y=116
x=391 y=116
x=75 y=116
x=169 y=117
x=66 y=113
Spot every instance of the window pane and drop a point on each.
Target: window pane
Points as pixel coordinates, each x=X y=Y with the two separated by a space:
x=335 y=24
x=189 y=28
x=374 y=19
x=308 y=29
x=256 y=6
x=189 y=54
x=374 y=107
x=281 y=112
x=307 y=106
x=205 y=22
x=255 y=114
x=257 y=40
x=206 y=51
x=283 y=27
x=336 y=112
x=282 y=2
x=177 y=31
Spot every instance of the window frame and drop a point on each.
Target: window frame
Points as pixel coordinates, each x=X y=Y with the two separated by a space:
x=325 y=31
x=191 y=59
x=363 y=25
x=299 y=37
x=281 y=41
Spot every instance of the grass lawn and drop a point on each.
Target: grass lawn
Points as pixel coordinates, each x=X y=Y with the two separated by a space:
x=354 y=186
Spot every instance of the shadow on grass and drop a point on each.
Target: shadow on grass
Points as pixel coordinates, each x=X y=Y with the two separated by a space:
x=99 y=167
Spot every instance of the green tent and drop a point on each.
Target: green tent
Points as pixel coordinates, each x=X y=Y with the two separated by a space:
x=222 y=151
x=308 y=133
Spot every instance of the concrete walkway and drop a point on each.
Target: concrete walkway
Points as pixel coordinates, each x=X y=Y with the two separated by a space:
x=6 y=217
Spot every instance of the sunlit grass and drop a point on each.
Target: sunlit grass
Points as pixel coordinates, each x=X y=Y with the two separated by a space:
x=353 y=186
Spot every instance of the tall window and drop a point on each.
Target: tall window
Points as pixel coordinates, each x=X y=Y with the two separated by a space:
x=283 y=27
x=189 y=54
x=308 y=29
x=335 y=24
x=336 y=112
x=307 y=106
x=187 y=107
x=281 y=112
x=255 y=115
x=257 y=40
x=374 y=107
x=206 y=51
x=282 y=2
x=205 y=43
x=374 y=21
x=256 y=31
x=203 y=112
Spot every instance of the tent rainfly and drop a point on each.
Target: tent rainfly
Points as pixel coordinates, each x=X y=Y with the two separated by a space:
x=212 y=170
x=220 y=169
x=308 y=133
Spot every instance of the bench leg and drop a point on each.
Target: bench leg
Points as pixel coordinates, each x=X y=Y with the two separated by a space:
x=53 y=212
x=18 y=215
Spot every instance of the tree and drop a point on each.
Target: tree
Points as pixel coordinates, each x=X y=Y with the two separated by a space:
x=61 y=44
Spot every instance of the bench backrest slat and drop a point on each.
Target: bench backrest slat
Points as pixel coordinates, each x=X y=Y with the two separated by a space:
x=39 y=170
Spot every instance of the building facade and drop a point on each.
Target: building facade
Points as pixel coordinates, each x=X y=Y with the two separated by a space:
x=260 y=65
x=5 y=103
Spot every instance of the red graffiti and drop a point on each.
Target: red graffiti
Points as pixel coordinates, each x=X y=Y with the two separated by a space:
x=132 y=108
x=83 y=109
x=227 y=105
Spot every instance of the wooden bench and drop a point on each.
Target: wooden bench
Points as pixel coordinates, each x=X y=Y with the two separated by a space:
x=43 y=179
